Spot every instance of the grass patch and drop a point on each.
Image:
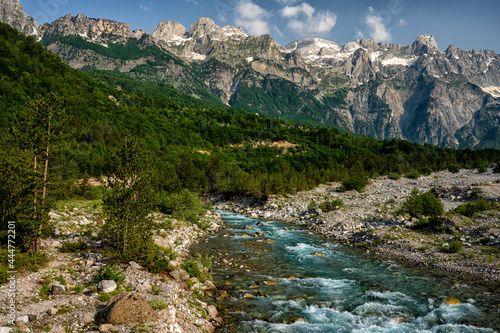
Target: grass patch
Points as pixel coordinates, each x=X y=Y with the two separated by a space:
x=158 y=304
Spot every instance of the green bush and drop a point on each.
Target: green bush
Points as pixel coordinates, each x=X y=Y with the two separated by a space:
x=455 y=246
x=24 y=261
x=454 y=168
x=74 y=247
x=312 y=205
x=432 y=223
x=198 y=268
x=158 y=304
x=496 y=169
x=94 y=193
x=181 y=205
x=394 y=175
x=109 y=273
x=422 y=204
x=413 y=175
x=357 y=183
x=329 y=206
x=472 y=208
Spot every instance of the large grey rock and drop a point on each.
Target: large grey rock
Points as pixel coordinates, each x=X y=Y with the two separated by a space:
x=107 y=286
x=127 y=308
x=22 y=320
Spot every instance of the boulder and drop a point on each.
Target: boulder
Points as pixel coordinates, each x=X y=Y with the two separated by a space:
x=107 y=286
x=22 y=320
x=58 y=329
x=57 y=289
x=126 y=309
x=5 y=329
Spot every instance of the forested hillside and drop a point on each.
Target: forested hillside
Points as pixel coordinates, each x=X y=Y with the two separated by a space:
x=207 y=149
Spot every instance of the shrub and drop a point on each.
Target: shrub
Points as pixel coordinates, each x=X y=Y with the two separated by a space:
x=329 y=206
x=158 y=304
x=357 y=183
x=422 y=204
x=198 y=268
x=94 y=193
x=109 y=273
x=472 y=208
x=413 y=175
x=74 y=247
x=432 y=223
x=312 y=205
x=182 y=205
x=394 y=175
x=496 y=169
x=454 y=168
x=455 y=246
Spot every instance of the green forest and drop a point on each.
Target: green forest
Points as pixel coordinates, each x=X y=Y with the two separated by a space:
x=183 y=143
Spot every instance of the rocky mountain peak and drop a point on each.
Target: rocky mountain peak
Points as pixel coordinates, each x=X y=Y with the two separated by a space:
x=168 y=30
x=425 y=44
x=83 y=26
x=203 y=26
x=12 y=13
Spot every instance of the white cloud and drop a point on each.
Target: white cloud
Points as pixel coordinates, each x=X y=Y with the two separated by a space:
x=147 y=7
x=305 y=19
x=286 y=2
x=252 y=18
x=376 y=28
x=193 y=2
x=402 y=22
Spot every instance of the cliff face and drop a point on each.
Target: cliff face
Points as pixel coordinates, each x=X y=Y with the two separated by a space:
x=415 y=92
x=12 y=13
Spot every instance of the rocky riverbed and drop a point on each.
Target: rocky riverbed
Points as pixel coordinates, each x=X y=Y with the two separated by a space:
x=64 y=297
x=367 y=220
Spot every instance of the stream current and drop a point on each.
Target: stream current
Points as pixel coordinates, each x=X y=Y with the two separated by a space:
x=291 y=280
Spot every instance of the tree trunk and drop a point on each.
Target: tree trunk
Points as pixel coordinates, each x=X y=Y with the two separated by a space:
x=38 y=241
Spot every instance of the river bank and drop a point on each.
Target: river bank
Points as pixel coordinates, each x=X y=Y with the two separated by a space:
x=63 y=296
x=367 y=220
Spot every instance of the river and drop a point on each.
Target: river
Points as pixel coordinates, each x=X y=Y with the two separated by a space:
x=291 y=280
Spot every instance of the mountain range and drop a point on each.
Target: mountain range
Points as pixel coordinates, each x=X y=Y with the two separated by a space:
x=415 y=92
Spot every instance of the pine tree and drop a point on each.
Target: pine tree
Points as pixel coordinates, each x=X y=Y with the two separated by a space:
x=36 y=136
x=128 y=202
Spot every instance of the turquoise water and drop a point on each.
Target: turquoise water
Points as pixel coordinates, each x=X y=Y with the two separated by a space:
x=294 y=281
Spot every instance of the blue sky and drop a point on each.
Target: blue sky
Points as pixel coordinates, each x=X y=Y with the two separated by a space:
x=463 y=23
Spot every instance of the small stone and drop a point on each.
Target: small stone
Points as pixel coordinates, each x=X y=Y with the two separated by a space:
x=211 y=312
x=58 y=289
x=247 y=227
x=134 y=265
x=32 y=317
x=218 y=321
x=88 y=318
x=107 y=286
x=52 y=311
x=209 y=285
x=106 y=328
x=143 y=288
x=58 y=329
x=248 y=295
x=176 y=275
x=22 y=320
